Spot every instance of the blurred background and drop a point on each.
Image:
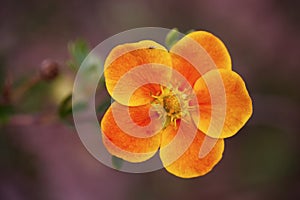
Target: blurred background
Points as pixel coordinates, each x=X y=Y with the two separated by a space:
x=41 y=156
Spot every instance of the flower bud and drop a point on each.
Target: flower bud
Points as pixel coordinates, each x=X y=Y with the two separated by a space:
x=49 y=69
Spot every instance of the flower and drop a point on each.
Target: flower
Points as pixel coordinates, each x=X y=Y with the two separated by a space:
x=163 y=101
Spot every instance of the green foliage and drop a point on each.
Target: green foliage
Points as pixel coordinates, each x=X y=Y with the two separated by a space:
x=36 y=98
x=66 y=110
x=172 y=37
x=117 y=162
x=65 y=107
x=5 y=112
x=189 y=31
x=78 y=50
x=103 y=106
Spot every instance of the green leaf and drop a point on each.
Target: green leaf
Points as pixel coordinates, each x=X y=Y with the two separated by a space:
x=80 y=106
x=40 y=91
x=65 y=107
x=5 y=112
x=190 y=31
x=117 y=162
x=172 y=37
x=103 y=106
x=102 y=80
x=78 y=49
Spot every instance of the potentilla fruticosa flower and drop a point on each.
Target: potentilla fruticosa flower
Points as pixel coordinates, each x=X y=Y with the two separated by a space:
x=184 y=102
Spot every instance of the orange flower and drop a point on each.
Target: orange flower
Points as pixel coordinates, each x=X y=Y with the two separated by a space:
x=156 y=109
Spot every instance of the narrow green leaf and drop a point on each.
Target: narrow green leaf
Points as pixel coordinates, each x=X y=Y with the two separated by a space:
x=65 y=107
x=78 y=49
x=117 y=162
x=172 y=37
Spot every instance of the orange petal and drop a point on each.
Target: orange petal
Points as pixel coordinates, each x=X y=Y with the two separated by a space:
x=186 y=69
x=129 y=133
x=191 y=162
x=214 y=47
x=133 y=71
x=224 y=103
x=198 y=53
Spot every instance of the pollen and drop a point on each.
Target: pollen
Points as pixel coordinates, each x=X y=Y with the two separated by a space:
x=173 y=102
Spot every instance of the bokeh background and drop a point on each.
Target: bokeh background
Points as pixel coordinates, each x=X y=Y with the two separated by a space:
x=41 y=156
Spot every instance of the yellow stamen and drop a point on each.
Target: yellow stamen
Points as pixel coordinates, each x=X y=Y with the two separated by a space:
x=174 y=103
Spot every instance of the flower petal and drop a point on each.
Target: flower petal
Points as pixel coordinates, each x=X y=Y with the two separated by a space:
x=214 y=47
x=129 y=133
x=191 y=163
x=197 y=53
x=224 y=103
x=132 y=69
x=186 y=69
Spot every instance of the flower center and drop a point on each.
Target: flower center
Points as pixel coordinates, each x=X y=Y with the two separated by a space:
x=171 y=104
x=174 y=104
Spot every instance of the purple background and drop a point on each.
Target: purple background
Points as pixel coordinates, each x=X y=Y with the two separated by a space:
x=42 y=158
